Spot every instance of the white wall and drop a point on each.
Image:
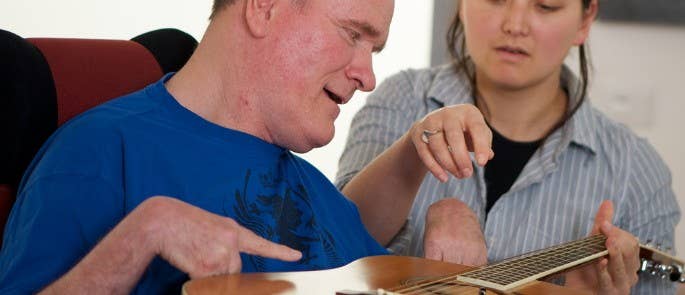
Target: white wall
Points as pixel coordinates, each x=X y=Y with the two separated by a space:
x=118 y=19
x=640 y=81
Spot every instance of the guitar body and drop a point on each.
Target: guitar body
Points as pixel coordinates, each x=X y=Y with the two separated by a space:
x=391 y=273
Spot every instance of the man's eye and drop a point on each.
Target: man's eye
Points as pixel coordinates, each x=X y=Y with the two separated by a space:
x=354 y=35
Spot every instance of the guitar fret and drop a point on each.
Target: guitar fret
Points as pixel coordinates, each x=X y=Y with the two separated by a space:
x=518 y=270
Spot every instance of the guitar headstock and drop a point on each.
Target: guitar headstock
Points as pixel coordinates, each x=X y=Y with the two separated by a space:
x=661 y=264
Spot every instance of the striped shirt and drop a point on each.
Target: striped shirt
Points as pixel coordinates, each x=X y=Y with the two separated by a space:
x=556 y=196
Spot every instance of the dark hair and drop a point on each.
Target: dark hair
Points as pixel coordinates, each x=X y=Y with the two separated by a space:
x=456 y=46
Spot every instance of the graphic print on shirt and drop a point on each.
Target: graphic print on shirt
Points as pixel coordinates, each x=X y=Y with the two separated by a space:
x=281 y=212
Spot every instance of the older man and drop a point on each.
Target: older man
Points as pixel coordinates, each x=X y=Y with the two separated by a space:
x=193 y=175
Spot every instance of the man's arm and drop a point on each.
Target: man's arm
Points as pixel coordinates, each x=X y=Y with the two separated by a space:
x=191 y=239
x=453 y=234
x=117 y=262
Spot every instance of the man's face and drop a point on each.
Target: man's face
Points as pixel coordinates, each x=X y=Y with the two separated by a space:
x=321 y=54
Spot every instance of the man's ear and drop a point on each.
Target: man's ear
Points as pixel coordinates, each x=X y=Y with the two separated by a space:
x=258 y=15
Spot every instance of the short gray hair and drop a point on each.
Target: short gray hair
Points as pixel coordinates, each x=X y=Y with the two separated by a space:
x=220 y=4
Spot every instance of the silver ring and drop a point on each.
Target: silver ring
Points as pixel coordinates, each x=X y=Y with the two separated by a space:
x=425 y=134
x=449 y=149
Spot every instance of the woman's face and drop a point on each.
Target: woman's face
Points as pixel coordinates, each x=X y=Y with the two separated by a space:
x=522 y=43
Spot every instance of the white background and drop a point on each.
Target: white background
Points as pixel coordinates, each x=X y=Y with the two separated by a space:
x=640 y=68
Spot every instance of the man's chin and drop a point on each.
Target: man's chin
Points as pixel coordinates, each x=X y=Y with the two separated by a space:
x=314 y=143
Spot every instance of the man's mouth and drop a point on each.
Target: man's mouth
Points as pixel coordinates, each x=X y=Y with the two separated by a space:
x=337 y=99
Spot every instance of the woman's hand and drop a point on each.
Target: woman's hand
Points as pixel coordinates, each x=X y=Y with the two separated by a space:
x=444 y=138
x=614 y=274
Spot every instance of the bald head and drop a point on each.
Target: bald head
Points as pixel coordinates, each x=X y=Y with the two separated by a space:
x=221 y=4
x=218 y=5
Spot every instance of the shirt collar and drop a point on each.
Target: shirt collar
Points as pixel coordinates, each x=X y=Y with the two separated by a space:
x=580 y=127
x=450 y=87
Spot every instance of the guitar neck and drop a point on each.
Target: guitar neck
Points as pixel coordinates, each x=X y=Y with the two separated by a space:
x=519 y=270
x=516 y=271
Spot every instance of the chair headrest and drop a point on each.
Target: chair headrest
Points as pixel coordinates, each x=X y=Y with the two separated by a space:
x=159 y=41
x=28 y=104
x=88 y=72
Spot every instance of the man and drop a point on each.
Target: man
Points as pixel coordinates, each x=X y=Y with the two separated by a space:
x=193 y=175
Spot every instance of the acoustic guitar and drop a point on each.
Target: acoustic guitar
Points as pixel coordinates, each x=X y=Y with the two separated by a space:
x=392 y=275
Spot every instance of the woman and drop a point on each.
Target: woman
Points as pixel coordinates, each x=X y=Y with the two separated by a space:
x=557 y=159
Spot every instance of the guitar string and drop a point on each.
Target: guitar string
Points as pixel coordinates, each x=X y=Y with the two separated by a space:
x=457 y=287
x=450 y=289
x=422 y=286
x=447 y=289
x=416 y=284
x=428 y=283
x=544 y=260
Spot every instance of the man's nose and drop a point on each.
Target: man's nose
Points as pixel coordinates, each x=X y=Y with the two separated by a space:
x=361 y=70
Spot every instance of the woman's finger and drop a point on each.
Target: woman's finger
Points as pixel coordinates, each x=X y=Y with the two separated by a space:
x=480 y=137
x=441 y=152
x=616 y=266
x=427 y=157
x=603 y=277
x=458 y=152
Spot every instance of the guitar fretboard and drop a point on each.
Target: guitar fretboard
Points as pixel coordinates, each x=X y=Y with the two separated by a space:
x=516 y=271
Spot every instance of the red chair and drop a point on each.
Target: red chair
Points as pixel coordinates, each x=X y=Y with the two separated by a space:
x=46 y=81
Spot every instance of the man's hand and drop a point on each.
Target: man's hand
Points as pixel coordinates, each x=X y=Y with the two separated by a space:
x=204 y=244
x=453 y=234
x=614 y=274
x=193 y=240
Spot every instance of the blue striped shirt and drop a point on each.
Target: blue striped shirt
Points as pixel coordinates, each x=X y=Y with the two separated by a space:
x=556 y=196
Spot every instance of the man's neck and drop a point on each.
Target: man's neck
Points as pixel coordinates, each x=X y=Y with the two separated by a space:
x=225 y=98
x=526 y=114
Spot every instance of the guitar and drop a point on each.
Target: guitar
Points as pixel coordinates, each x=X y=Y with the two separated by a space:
x=393 y=275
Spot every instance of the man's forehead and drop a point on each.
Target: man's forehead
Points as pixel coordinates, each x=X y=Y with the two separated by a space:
x=370 y=17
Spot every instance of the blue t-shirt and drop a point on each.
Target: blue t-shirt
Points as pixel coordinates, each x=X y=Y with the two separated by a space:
x=101 y=165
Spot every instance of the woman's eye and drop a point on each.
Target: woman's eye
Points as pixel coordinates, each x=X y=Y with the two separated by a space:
x=549 y=8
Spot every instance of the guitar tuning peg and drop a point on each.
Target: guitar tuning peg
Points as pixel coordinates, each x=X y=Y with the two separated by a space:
x=677 y=274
